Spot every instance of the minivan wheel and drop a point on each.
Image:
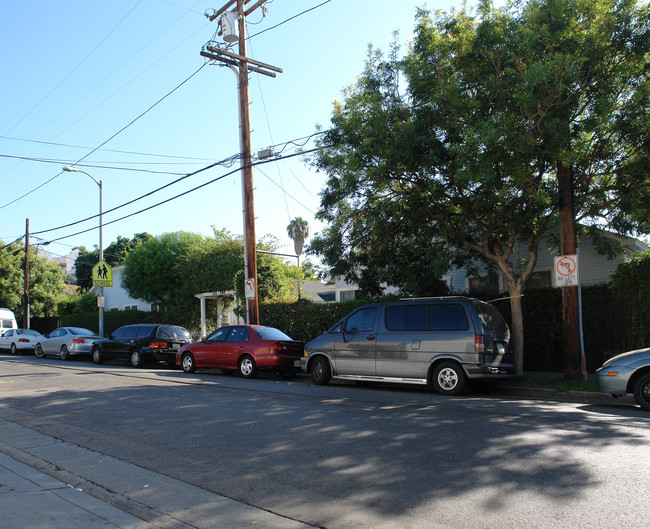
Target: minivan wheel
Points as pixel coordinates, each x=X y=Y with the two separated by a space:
x=136 y=358
x=187 y=363
x=247 y=367
x=38 y=352
x=98 y=358
x=321 y=372
x=642 y=392
x=448 y=378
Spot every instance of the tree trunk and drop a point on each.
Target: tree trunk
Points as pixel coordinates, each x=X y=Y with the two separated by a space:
x=517 y=330
x=570 y=324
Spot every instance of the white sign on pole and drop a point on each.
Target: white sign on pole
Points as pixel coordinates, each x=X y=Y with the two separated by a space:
x=249 y=289
x=565 y=271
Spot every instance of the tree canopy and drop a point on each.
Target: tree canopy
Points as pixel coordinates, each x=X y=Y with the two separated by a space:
x=46 y=282
x=168 y=270
x=451 y=154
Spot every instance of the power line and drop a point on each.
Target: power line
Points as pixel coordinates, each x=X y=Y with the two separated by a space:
x=53 y=144
x=59 y=162
x=109 y=139
x=73 y=69
x=166 y=201
x=290 y=18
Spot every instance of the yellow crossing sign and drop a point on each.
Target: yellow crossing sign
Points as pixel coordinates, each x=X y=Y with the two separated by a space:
x=102 y=275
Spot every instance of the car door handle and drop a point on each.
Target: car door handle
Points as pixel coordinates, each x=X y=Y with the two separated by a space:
x=370 y=337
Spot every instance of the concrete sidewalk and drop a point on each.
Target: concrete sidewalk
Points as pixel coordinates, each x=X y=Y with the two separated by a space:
x=49 y=484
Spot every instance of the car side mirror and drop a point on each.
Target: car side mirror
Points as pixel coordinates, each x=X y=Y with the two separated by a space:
x=204 y=339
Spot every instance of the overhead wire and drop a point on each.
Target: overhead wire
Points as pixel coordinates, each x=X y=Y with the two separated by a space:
x=109 y=139
x=166 y=201
x=73 y=69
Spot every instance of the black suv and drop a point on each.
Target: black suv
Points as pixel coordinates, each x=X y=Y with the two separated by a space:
x=140 y=343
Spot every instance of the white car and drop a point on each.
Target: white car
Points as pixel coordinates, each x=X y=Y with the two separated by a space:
x=66 y=341
x=19 y=340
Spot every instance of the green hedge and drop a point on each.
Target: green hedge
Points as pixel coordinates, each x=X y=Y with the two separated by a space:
x=607 y=328
x=611 y=322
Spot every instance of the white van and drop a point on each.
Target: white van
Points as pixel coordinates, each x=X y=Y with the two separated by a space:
x=7 y=321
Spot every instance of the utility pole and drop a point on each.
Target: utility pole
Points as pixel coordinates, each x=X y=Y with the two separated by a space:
x=570 y=314
x=242 y=65
x=26 y=294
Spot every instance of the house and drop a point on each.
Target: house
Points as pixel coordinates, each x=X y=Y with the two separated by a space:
x=117 y=298
x=595 y=268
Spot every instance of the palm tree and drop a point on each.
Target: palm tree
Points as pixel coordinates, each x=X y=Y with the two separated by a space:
x=298 y=230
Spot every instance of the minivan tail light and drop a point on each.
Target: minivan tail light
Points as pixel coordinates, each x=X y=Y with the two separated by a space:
x=158 y=345
x=479 y=343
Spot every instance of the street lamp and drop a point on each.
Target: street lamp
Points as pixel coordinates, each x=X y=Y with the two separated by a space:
x=71 y=169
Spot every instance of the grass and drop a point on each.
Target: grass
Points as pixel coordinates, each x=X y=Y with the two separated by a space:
x=558 y=384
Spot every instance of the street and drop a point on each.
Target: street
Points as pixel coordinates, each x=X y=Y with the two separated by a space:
x=349 y=456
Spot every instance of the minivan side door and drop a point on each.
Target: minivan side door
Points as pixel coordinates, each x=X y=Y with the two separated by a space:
x=414 y=334
x=354 y=350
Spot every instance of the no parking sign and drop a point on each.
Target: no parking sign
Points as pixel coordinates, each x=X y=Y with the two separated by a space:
x=565 y=271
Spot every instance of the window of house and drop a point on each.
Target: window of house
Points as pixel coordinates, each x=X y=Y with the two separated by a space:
x=131 y=307
x=348 y=295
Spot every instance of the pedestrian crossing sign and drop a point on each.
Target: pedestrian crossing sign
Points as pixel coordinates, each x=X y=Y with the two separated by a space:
x=102 y=275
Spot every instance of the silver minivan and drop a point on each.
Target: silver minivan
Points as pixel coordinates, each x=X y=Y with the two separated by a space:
x=443 y=342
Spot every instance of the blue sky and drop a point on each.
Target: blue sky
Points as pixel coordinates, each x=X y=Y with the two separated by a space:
x=76 y=73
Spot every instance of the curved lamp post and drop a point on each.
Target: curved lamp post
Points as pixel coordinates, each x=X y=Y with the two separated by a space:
x=71 y=169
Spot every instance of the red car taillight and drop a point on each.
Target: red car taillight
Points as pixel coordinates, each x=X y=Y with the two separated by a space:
x=479 y=343
x=78 y=340
x=24 y=340
x=158 y=345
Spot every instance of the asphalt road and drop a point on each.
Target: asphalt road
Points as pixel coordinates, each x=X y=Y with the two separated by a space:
x=348 y=456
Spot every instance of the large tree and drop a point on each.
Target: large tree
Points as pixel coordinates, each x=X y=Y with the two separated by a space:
x=46 y=282
x=453 y=153
x=168 y=270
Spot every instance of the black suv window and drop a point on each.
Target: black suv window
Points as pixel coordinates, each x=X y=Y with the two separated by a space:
x=120 y=333
x=144 y=331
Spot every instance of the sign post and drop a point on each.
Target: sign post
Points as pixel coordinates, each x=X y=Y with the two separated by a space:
x=566 y=273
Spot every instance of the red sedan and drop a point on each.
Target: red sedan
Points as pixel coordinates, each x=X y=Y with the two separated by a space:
x=243 y=348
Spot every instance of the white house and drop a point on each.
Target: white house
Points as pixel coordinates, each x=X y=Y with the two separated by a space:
x=117 y=298
x=595 y=268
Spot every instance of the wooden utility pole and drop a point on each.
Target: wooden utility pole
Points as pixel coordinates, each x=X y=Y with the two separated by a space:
x=244 y=65
x=26 y=293
x=570 y=319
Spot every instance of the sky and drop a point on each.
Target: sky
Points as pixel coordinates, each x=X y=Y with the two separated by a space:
x=120 y=91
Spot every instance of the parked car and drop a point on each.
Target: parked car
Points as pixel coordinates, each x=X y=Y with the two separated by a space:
x=243 y=348
x=19 y=340
x=65 y=342
x=627 y=374
x=444 y=342
x=140 y=343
